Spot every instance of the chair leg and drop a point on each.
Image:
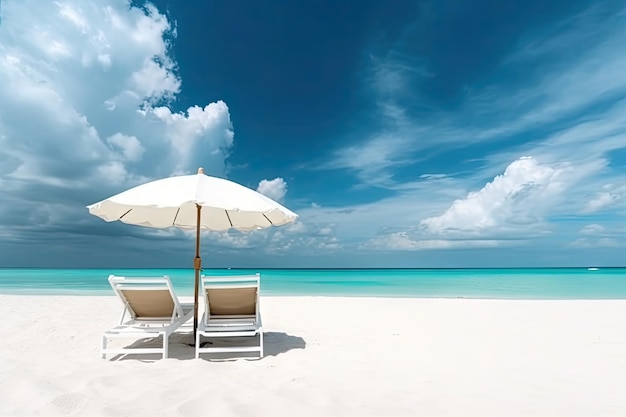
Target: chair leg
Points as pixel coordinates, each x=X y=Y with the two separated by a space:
x=261 y=350
x=165 y=345
x=197 y=345
x=103 y=347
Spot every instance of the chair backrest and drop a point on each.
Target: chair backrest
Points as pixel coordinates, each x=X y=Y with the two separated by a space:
x=147 y=298
x=231 y=295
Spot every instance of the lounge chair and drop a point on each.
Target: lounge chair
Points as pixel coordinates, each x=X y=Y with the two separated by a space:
x=151 y=309
x=231 y=309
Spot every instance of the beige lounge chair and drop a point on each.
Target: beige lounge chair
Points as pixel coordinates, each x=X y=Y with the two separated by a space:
x=151 y=309
x=231 y=309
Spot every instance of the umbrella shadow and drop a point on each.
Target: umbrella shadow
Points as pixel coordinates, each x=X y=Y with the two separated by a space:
x=182 y=347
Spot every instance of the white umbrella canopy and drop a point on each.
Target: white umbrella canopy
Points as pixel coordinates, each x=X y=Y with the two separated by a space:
x=194 y=202
x=173 y=202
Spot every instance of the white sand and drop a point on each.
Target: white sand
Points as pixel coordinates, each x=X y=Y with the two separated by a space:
x=328 y=357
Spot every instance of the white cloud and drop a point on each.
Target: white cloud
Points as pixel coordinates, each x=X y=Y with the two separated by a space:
x=554 y=101
x=326 y=230
x=603 y=242
x=306 y=237
x=203 y=136
x=295 y=227
x=395 y=75
x=82 y=70
x=332 y=244
x=86 y=103
x=593 y=229
x=436 y=212
x=553 y=108
x=87 y=110
x=601 y=201
x=610 y=235
x=238 y=240
x=275 y=189
x=571 y=80
x=129 y=146
x=395 y=241
x=154 y=80
x=373 y=158
x=516 y=199
x=401 y=241
x=394 y=135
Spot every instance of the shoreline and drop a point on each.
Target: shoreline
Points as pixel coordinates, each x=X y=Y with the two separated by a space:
x=344 y=356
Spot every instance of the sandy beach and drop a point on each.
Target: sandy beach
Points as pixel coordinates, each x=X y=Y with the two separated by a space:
x=327 y=356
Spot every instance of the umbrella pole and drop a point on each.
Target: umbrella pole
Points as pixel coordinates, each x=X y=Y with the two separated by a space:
x=197 y=265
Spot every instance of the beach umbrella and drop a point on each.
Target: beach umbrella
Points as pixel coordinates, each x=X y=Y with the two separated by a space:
x=194 y=202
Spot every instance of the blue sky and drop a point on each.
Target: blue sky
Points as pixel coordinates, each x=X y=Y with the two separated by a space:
x=404 y=133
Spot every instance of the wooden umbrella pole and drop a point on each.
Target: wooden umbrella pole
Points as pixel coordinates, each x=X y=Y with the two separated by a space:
x=197 y=265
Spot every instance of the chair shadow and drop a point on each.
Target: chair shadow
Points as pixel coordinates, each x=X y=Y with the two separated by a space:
x=275 y=343
x=182 y=347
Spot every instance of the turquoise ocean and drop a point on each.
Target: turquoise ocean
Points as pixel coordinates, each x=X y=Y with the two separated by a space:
x=525 y=283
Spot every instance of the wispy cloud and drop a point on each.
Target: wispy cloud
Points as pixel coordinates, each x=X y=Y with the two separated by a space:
x=559 y=96
x=389 y=81
x=547 y=86
x=610 y=197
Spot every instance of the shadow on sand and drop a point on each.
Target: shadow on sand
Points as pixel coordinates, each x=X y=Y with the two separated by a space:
x=181 y=347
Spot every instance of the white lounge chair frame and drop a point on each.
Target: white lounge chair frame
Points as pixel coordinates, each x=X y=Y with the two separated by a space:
x=244 y=320
x=148 y=319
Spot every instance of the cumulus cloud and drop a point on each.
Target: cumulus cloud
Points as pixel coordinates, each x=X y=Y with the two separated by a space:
x=87 y=87
x=88 y=108
x=203 y=136
x=596 y=235
x=295 y=227
x=515 y=199
x=238 y=240
x=509 y=210
x=307 y=237
x=275 y=189
x=129 y=146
